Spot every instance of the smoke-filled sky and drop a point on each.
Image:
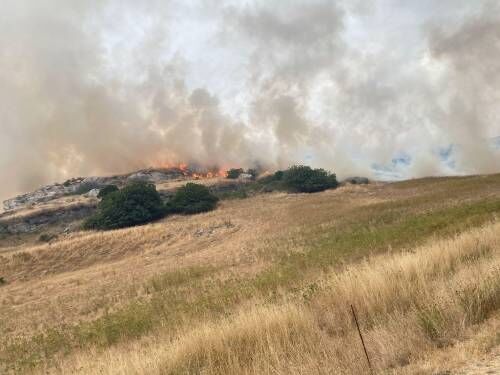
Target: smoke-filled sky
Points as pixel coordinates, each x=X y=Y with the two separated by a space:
x=398 y=88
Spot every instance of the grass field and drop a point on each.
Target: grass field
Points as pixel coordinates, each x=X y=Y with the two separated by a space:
x=263 y=285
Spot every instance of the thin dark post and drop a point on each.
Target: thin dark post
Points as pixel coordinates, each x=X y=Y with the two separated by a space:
x=362 y=340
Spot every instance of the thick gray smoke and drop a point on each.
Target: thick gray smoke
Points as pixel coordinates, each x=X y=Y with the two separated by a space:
x=393 y=89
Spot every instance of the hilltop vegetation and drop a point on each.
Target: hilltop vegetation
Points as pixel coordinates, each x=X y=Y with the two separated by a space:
x=191 y=199
x=108 y=189
x=135 y=204
x=296 y=179
x=140 y=203
x=263 y=285
x=304 y=179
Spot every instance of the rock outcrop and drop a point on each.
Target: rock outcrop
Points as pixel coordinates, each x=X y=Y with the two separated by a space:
x=89 y=186
x=44 y=194
x=94 y=193
x=38 y=220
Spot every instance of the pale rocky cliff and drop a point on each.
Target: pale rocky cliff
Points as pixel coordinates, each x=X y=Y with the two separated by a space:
x=75 y=185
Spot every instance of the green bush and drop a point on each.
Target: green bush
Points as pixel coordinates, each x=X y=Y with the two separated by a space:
x=304 y=179
x=137 y=203
x=234 y=173
x=270 y=183
x=2 y=281
x=107 y=190
x=235 y=194
x=192 y=199
x=278 y=175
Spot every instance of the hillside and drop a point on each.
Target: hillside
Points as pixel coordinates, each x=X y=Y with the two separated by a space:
x=59 y=209
x=263 y=285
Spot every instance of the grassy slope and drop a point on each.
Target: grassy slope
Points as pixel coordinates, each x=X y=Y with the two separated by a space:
x=262 y=250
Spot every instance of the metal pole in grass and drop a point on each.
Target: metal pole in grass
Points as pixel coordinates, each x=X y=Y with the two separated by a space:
x=362 y=340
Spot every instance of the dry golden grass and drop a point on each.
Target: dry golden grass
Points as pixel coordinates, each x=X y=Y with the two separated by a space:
x=83 y=275
x=262 y=285
x=410 y=305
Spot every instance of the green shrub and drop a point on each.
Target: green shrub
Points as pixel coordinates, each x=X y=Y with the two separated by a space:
x=107 y=190
x=192 y=199
x=304 y=179
x=234 y=173
x=278 y=175
x=235 y=194
x=137 y=203
x=2 y=280
x=269 y=183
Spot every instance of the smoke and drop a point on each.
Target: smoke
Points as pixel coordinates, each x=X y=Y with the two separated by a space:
x=101 y=87
x=471 y=54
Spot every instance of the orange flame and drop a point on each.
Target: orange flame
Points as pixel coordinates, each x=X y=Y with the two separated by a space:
x=183 y=167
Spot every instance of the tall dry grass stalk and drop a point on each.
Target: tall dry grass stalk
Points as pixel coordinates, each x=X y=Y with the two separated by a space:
x=416 y=302
x=410 y=305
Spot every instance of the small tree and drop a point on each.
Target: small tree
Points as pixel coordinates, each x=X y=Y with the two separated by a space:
x=192 y=199
x=234 y=173
x=137 y=203
x=304 y=179
x=107 y=190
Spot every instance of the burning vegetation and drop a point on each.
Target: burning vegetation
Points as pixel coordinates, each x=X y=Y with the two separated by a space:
x=196 y=172
x=150 y=194
x=140 y=203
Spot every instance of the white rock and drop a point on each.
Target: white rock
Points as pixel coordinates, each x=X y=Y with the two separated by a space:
x=93 y=193
x=245 y=176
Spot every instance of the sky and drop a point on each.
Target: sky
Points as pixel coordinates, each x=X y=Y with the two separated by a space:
x=389 y=89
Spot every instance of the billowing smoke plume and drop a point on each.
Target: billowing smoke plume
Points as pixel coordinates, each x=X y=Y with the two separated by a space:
x=389 y=89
